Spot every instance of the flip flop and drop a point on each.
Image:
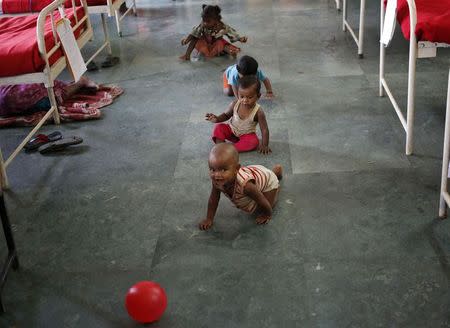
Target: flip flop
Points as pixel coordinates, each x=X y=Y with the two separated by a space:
x=60 y=145
x=42 y=139
x=92 y=66
x=110 y=61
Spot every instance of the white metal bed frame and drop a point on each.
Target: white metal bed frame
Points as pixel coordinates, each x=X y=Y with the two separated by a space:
x=421 y=49
x=338 y=4
x=102 y=10
x=48 y=74
x=359 y=40
x=445 y=196
x=112 y=9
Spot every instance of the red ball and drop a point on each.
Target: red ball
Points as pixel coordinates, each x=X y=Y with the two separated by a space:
x=146 y=301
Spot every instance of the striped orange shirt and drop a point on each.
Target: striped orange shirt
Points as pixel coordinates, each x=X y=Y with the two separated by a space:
x=264 y=179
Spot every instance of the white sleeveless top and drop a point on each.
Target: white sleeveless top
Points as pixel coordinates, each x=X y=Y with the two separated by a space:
x=243 y=126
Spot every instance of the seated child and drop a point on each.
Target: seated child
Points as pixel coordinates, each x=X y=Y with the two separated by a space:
x=207 y=37
x=253 y=188
x=243 y=115
x=246 y=66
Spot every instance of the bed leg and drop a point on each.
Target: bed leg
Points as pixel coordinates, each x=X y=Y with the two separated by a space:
x=105 y=32
x=382 y=50
x=338 y=5
x=135 y=11
x=3 y=177
x=445 y=156
x=117 y=16
x=362 y=14
x=411 y=94
x=54 y=104
x=344 y=15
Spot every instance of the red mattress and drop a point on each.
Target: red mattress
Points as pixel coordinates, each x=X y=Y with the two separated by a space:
x=433 y=20
x=19 y=52
x=26 y=6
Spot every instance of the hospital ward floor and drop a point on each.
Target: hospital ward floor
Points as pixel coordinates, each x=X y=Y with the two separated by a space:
x=354 y=240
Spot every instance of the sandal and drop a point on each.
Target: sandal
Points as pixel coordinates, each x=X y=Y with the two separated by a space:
x=60 y=145
x=42 y=139
x=110 y=61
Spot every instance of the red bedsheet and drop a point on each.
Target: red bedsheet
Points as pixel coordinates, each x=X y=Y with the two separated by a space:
x=19 y=52
x=433 y=20
x=25 y=6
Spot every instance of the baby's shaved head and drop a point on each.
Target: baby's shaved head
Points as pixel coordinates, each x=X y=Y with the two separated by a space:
x=225 y=152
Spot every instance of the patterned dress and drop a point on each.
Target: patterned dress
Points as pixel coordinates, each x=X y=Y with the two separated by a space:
x=210 y=41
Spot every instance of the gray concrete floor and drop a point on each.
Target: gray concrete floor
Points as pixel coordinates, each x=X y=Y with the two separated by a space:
x=354 y=241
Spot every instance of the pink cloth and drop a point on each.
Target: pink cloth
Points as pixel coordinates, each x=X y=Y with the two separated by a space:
x=19 y=98
x=82 y=106
x=246 y=142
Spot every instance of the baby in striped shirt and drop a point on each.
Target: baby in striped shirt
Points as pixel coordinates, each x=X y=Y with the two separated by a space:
x=253 y=188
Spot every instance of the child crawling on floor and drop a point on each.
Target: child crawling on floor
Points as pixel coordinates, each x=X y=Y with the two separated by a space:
x=253 y=188
x=242 y=116
x=207 y=37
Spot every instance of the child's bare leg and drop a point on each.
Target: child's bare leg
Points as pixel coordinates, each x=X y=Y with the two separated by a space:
x=271 y=196
x=228 y=91
x=231 y=50
x=278 y=170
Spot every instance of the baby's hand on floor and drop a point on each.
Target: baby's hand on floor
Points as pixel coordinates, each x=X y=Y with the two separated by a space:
x=264 y=149
x=205 y=224
x=243 y=39
x=269 y=95
x=211 y=117
x=184 y=57
x=263 y=219
x=184 y=41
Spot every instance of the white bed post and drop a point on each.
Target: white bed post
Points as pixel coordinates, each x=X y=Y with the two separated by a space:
x=382 y=49
x=54 y=104
x=445 y=157
x=105 y=30
x=135 y=11
x=344 y=15
x=338 y=4
x=3 y=177
x=411 y=77
x=117 y=17
x=362 y=14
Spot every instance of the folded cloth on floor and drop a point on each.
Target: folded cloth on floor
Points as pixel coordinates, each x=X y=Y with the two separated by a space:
x=85 y=105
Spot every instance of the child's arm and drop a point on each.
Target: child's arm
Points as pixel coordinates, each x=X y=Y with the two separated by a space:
x=213 y=202
x=264 y=208
x=269 y=91
x=192 y=40
x=222 y=117
x=232 y=34
x=264 y=145
x=186 y=40
x=235 y=91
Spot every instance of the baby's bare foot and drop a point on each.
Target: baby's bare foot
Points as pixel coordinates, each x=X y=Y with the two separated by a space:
x=278 y=170
x=263 y=219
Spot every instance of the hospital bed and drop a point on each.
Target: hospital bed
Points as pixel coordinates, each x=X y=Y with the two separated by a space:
x=31 y=52
x=430 y=21
x=103 y=7
x=445 y=196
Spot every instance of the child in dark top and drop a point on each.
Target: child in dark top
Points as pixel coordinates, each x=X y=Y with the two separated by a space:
x=246 y=65
x=207 y=37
